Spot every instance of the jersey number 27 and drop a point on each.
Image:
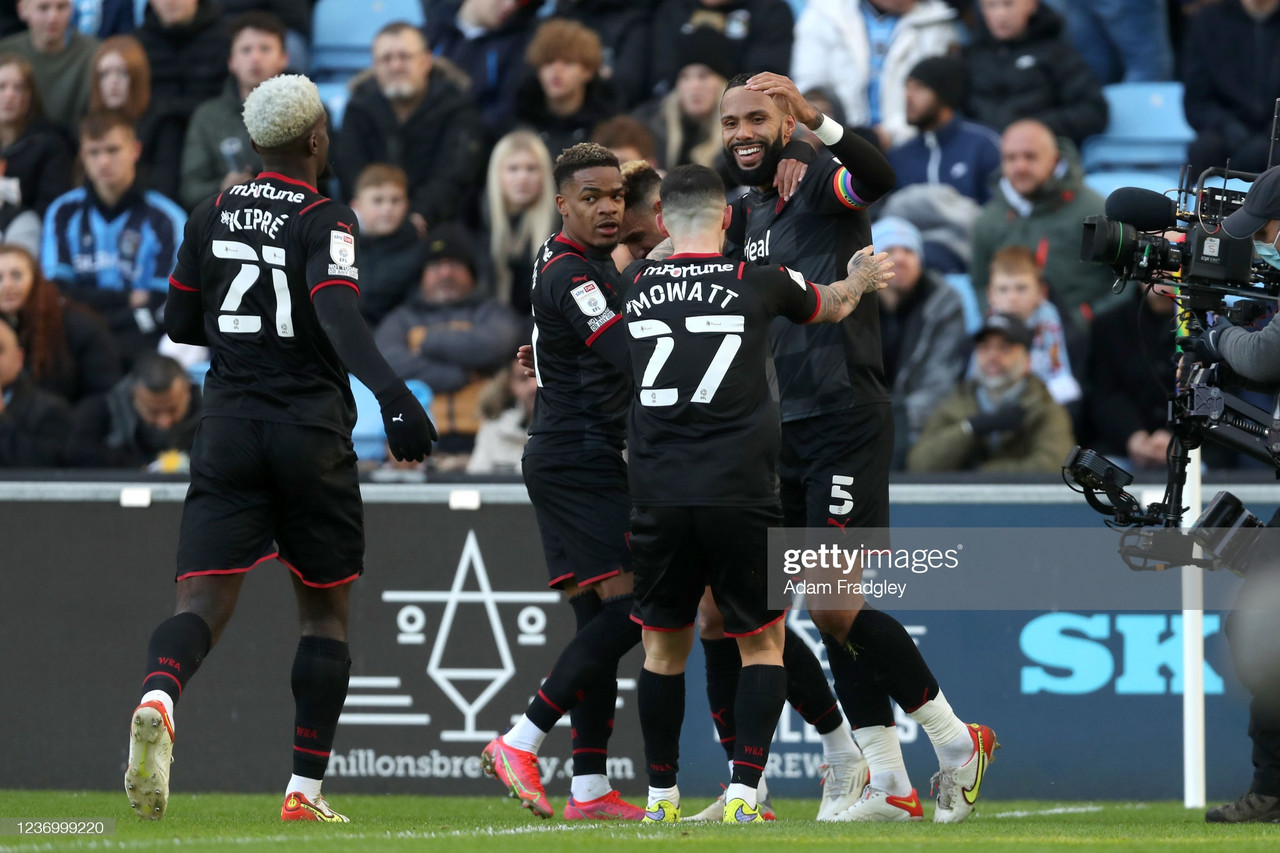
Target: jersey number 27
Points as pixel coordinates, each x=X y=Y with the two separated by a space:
x=232 y=323
x=724 y=324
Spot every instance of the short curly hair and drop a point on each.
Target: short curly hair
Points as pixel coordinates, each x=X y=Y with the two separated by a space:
x=566 y=40
x=280 y=110
x=584 y=155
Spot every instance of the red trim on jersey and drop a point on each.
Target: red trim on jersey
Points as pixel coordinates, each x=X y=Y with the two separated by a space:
x=558 y=257
x=331 y=282
x=312 y=751
x=817 y=294
x=598 y=578
x=741 y=269
x=312 y=584
x=748 y=764
x=287 y=180
x=761 y=628
x=273 y=555
x=173 y=282
x=553 y=705
x=564 y=239
x=693 y=255
x=554 y=582
x=168 y=675
x=313 y=204
x=600 y=331
x=218 y=201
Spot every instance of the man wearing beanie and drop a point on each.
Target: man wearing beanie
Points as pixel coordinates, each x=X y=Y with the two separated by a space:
x=948 y=149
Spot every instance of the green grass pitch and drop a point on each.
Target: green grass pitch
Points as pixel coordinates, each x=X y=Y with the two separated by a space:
x=250 y=823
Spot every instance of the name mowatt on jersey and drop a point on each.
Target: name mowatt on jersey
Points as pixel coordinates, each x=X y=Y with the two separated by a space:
x=714 y=294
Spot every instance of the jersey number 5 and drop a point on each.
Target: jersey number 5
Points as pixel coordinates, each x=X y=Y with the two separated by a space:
x=231 y=323
x=725 y=324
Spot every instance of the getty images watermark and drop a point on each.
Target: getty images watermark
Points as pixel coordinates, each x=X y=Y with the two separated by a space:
x=1057 y=568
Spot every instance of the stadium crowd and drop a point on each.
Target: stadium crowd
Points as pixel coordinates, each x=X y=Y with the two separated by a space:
x=118 y=116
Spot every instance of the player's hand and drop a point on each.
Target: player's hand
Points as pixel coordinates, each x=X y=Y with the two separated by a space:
x=874 y=268
x=788 y=176
x=1007 y=418
x=409 y=430
x=524 y=355
x=784 y=93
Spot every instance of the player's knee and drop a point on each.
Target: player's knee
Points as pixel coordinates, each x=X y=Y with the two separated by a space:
x=710 y=621
x=764 y=648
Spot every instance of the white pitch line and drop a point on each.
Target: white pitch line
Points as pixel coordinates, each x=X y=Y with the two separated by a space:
x=1053 y=811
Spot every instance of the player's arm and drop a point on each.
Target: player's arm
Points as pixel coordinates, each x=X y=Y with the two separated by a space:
x=335 y=296
x=867 y=272
x=184 y=307
x=864 y=174
x=586 y=305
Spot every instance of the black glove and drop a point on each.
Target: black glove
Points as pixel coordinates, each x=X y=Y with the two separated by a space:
x=1008 y=417
x=1205 y=344
x=409 y=430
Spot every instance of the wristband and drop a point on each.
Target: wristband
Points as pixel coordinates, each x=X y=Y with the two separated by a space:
x=829 y=131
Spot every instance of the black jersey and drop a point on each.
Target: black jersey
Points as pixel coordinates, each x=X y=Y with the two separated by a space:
x=257 y=253
x=579 y=350
x=704 y=429
x=828 y=367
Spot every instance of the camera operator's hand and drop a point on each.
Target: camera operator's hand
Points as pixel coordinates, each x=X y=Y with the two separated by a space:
x=1205 y=344
x=1004 y=419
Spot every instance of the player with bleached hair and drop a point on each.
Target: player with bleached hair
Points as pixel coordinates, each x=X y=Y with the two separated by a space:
x=267 y=278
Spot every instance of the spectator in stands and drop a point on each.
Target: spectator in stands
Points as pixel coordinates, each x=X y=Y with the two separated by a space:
x=69 y=351
x=390 y=249
x=638 y=233
x=519 y=213
x=294 y=16
x=35 y=154
x=187 y=48
x=34 y=424
x=1002 y=421
x=863 y=50
x=103 y=18
x=1120 y=41
x=624 y=30
x=59 y=59
x=947 y=149
x=506 y=407
x=147 y=419
x=1131 y=378
x=450 y=338
x=1040 y=201
x=217 y=152
x=121 y=78
x=1232 y=82
x=565 y=98
x=1021 y=67
x=415 y=115
x=485 y=39
x=921 y=333
x=760 y=32
x=110 y=244
x=628 y=138
x=686 y=122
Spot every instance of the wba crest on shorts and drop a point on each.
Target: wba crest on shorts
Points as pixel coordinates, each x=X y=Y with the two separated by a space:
x=589 y=299
x=342 y=248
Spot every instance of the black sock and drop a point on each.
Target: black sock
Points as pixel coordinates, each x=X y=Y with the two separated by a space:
x=762 y=691
x=723 y=665
x=807 y=687
x=863 y=698
x=661 y=705
x=591 y=653
x=586 y=606
x=178 y=646
x=592 y=718
x=321 y=670
x=894 y=658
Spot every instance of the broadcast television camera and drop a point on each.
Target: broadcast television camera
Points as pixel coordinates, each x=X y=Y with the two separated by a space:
x=1155 y=240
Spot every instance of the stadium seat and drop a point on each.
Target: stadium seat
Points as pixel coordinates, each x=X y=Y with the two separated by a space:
x=369 y=437
x=963 y=285
x=335 y=96
x=1105 y=183
x=1146 y=127
x=342 y=33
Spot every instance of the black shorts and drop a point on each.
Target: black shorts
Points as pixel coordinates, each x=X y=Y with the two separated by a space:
x=583 y=509
x=679 y=551
x=834 y=469
x=256 y=485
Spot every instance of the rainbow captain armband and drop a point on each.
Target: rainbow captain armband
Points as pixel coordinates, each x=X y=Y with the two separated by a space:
x=842 y=183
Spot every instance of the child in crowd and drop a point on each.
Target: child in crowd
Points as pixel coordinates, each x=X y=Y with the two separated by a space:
x=390 y=250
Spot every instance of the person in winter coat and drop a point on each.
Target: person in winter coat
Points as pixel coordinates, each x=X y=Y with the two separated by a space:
x=33 y=423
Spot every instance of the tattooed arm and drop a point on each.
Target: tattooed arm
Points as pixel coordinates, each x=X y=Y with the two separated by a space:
x=866 y=273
